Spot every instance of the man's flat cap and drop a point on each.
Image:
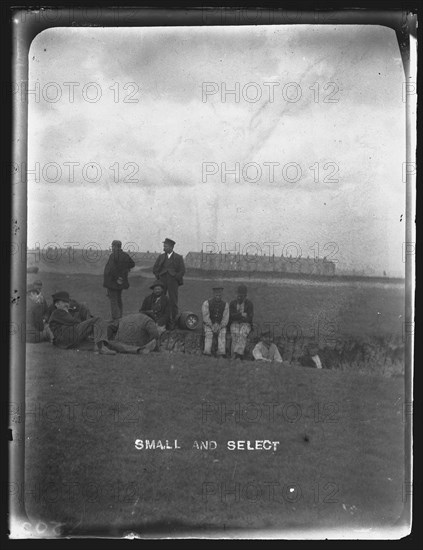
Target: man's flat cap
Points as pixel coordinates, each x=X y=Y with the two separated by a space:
x=169 y=241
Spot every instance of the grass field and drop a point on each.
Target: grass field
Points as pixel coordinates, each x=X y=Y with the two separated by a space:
x=339 y=463
x=352 y=310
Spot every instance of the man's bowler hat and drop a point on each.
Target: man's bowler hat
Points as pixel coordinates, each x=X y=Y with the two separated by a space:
x=157 y=283
x=62 y=295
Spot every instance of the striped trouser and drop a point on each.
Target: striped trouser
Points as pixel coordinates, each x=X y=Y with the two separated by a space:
x=208 y=340
x=239 y=334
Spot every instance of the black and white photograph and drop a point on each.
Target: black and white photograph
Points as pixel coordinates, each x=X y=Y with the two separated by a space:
x=213 y=257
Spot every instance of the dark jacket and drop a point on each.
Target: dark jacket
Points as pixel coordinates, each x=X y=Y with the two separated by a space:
x=175 y=268
x=118 y=265
x=78 y=310
x=236 y=317
x=62 y=325
x=158 y=311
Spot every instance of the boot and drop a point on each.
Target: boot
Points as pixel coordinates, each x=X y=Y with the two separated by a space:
x=150 y=346
x=102 y=349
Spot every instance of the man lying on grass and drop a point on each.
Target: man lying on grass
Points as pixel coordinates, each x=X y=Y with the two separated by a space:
x=68 y=332
x=131 y=334
x=137 y=330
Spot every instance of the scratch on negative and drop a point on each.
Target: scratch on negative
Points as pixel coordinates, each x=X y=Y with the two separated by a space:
x=133 y=508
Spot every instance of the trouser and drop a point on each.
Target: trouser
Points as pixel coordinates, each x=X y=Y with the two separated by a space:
x=95 y=326
x=120 y=347
x=34 y=336
x=239 y=334
x=171 y=287
x=116 y=306
x=208 y=340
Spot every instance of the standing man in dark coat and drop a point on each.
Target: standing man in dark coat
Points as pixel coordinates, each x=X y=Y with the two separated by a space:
x=170 y=270
x=116 y=277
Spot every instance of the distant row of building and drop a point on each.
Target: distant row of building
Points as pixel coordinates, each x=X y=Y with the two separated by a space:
x=198 y=261
x=206 y=261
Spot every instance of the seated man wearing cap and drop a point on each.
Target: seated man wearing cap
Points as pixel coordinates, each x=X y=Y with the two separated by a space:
x=68 y=332
x=169 y=268
x=266 y=350
x=37 y=330
x=156 y=305
x=215 y=320
x=116 y=277
x=241 y=313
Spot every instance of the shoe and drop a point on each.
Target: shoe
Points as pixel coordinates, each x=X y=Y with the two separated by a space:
x=151 y=346
x=105 y=351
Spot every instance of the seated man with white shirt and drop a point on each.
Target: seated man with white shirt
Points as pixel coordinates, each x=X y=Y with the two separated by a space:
x=266 y=350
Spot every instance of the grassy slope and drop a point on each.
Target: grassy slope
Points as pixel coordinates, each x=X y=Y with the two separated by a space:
x=360 y=454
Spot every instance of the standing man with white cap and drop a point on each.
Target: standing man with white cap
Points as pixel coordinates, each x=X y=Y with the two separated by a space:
x=116 y=277
x=170 y=270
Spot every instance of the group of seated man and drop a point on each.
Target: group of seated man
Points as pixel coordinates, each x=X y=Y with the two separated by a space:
x=68 y=323
x=237 y=315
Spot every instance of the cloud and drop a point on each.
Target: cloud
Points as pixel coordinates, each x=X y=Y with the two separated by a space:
x=152 y=153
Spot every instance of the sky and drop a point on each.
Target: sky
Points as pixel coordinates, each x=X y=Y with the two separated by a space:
x=133 y=134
